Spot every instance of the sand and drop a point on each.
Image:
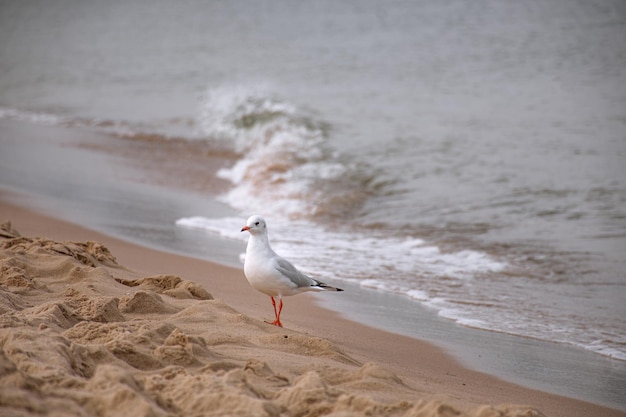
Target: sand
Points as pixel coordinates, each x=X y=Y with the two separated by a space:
x=95 y=326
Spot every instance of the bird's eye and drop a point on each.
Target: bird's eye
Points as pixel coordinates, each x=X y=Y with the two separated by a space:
x=256 y=224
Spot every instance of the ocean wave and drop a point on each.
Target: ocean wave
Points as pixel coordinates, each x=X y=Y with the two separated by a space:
x=175 y=128
x=285 y=163
x=30 y=116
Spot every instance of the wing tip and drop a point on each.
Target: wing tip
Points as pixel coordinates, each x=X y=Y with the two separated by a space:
x=327 y=287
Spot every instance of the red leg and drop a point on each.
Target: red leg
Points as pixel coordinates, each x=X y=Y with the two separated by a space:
x=280 y=308
x=277 y=313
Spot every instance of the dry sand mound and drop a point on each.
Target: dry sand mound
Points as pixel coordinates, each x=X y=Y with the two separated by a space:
x=82 y=336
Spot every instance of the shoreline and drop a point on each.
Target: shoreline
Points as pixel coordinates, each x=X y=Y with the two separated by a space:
x=428 y=368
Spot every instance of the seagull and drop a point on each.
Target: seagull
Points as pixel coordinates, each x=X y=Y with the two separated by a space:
x=271 y=274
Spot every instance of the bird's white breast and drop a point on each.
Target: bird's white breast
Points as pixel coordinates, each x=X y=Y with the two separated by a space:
x=261 y=273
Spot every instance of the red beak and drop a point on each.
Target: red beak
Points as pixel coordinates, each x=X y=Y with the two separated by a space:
x=245 y=228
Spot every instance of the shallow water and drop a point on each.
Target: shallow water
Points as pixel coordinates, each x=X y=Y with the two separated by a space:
x=470 y=157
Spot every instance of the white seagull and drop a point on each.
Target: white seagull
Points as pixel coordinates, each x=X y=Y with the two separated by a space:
x=269 y=273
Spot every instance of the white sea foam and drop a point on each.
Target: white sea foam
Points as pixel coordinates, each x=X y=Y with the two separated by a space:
x=418 y=295
x=458 y=315
x=30 y=116
x=602 y=347
x=228 y=227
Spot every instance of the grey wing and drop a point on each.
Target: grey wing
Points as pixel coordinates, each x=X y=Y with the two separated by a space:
x=287 y=269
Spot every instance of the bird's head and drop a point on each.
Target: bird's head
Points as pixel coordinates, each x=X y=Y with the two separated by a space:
x=255 y=225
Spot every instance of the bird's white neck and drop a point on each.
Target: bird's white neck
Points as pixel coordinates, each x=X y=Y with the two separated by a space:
x=259 y=244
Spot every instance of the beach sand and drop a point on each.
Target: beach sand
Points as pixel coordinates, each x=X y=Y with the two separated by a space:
x=111 y=329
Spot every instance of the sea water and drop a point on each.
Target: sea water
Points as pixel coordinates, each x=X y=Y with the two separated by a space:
x=468 y=156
